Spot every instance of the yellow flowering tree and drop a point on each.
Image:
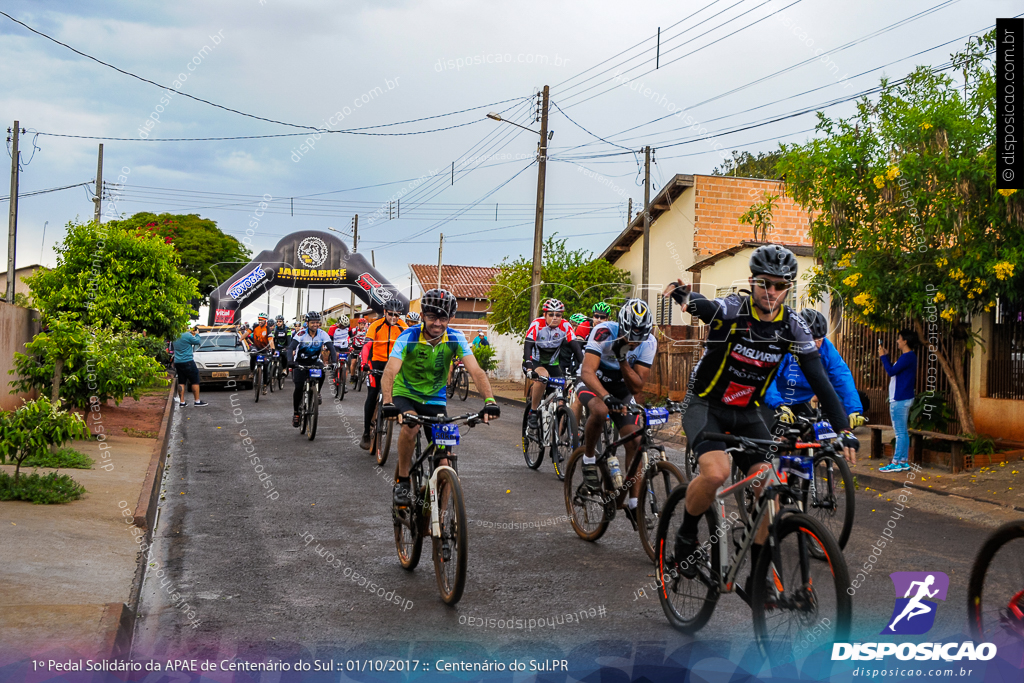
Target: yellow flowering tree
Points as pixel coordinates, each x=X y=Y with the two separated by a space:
x=907 y=218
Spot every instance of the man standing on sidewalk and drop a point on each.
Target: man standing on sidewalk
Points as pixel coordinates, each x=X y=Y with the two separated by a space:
x=186 y=366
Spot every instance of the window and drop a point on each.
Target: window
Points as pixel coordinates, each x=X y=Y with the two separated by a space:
x=663 y=312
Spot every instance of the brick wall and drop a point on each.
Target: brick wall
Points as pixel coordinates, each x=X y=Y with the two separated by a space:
x=720 y=201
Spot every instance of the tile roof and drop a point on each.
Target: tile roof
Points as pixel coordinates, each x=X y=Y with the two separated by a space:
x=465 y=282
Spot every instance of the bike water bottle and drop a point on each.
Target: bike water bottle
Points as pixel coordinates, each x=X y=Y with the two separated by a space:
x=615 y=471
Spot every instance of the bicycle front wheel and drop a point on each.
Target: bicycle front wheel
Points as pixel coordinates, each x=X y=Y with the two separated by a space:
x=799 y=600
x=271 y=374
x=389 y=431
x=409 y=542
x=450 y=550
x=533 y=450
x=660 y=479
x=690 y=465
x=565 y=440
x=833 y=501
x=281 y=373
x=463 y=387
x=257 y=382
x=589 y=511
x=995 y=592
x=314 y=410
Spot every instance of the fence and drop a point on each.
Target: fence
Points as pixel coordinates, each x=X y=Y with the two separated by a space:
x=679 y=349
x=1006 y=353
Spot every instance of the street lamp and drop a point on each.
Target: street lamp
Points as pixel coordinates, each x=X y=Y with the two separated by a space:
x=538 y=226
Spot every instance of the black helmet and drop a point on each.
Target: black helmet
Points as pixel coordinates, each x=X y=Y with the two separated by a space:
x=635 y=320
x=772 y=259
x=816 y=321
x=313 y=316
x=394 y=305
x=439 y=302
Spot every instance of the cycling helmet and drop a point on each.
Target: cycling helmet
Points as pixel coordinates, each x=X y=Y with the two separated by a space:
x=577 y=318
x=601 y=307
x=772 y=259
x=816 y=321
x=313 y=316
x=635 y=320
x=343 y=321
x=413 y=317
x=553 y=306
x=279 y=319
x=394 y=306
x=261 y=316
x=439 y=302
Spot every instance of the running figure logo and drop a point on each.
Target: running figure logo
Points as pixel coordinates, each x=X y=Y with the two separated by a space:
x=914 y=613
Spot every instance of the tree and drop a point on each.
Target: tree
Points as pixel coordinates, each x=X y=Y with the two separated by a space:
x=746 y=165
x=576 y=278
x=207 y=254
x=907 y=218
x=115 y=276
x=33 y=428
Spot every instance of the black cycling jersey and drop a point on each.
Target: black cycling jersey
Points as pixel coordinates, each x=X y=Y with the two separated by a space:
x=281 y=338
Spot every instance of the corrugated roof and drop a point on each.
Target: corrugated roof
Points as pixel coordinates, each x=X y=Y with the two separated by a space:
x=465 y=282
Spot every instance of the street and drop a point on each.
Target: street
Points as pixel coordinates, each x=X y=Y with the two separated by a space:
x=257 y=572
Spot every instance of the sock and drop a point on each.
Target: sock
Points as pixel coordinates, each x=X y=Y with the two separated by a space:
x=589 y=460
x=689 y=527
x=632 y=503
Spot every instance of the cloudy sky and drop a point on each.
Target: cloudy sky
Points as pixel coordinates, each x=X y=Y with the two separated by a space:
x=358 y=66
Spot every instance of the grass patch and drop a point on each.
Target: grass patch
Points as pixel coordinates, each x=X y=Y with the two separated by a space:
x=41 y=489
x=64 y=458
x=139 y=433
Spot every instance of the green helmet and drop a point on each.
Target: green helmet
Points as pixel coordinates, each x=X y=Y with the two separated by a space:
x=602 y=307
x=577 y=318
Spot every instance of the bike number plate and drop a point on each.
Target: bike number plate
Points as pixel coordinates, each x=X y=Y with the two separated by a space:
x=315 y=372
x=343 y=356
x=556 y=381
x=823 y=430
x=657 y=416
x=445 y=435
x=260 y=359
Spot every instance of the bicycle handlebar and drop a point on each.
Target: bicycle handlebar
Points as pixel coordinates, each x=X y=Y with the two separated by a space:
x=471 y=419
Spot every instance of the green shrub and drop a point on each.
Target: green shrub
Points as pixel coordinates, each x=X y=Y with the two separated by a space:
x=42 y=489
x=980 y=445
x=66 y=458
x=30 y=430
x=485 y=357
x=930 y=412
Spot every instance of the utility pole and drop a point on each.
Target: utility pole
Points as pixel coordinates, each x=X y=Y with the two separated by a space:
x=410 y=285
x=647 y=225
x=99 y=186
x=355 y=246
x=440 y=250
x=373 y=259
x=538 y=226
x=629 y=213
x=12 y=225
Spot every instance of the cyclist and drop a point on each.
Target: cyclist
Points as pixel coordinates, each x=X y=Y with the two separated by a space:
x=790 y=387
x=280 y=335
x=415 y=378
x=304 y=353
x=261 y=340
x=381 y=336
x=412 y=319
x=339 y=334
x=617 y=361
x=599 y=313
x=357 y=337
x=748 y=338
x=544 y=339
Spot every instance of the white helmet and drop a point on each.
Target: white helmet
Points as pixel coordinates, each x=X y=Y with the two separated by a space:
x=413 y=317
x=343 y=321
x=635 y=320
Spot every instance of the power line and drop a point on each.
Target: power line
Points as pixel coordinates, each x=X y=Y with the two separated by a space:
x=52 y=189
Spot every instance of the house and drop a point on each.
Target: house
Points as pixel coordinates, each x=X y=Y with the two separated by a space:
x=469 y=284
x=19 y=283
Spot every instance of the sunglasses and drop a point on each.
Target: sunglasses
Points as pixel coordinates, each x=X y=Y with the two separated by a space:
x=431 y=318
x=391 y=313
x=772 y=284
x=600 y=316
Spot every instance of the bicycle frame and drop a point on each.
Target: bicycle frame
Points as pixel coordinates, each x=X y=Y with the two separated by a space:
x=762 y=509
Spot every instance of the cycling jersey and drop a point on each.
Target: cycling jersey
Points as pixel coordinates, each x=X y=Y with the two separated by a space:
x=584 y=329
x=340 y=337
x=306 y=348
x=260 y=336
x=605 y=341
x=357 y=336
x=382 y=338
x=424 y=374
x=791 y=388
x=281 y=336
x=543 y=342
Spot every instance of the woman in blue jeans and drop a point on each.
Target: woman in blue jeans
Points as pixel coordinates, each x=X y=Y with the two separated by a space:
x=902 y=379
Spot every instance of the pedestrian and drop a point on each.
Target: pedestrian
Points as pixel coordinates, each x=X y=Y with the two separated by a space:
x=186 y=366
x=481 y=339
x=902 y=379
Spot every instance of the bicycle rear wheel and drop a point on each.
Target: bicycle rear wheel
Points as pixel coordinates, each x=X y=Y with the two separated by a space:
x=281 y=373
x=804 y=600
x=565 y=441
x=659 y=481
x=314 y=410
x=589 y=511
x=533 y=451
x=833 y=501
x=450 y=550
x=257 y=382
x=995 y=592
x=463 y=387
x=360 y=380
x=271 y=374
x=688 y=602
x=690 y=465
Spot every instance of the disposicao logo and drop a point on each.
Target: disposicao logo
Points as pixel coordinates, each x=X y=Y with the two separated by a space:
x=914 y=613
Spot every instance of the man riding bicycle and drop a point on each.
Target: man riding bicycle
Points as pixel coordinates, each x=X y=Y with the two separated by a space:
x=261 y=340
x=412 y=319
x=748 y=338
x=380 y=339
x=544 y=340
x=416 y=377
x=357 y=337
x=790 y=387
x=304 y=353
x=617 y=361
x=599 y=313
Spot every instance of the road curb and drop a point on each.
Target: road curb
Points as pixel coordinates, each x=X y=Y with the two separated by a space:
x=117 y=625
x=145 y=511
x=882 y=484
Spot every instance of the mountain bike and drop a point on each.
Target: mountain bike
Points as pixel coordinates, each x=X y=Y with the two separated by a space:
x=556 y=432
x=995 y=591
x=380 y=430
x=459 y=384
x=259 y=377
x=272 y=369
x=359 y=376
x=282 y=371
x=591 y=511
x=341 y=376
x=799 y=586
x=309 y=409
x=438 y=509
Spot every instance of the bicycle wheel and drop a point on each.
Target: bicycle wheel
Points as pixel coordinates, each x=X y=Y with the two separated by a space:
x=659 y=481
x=257 y=382
x=463 y=387
x=995 y=592
x=533 y=451
x=282 y=372
x=271 y=373
x=688 y=602
x=409 y=542
x=305 y=408
x=389 y=430
x=589 y=512
x=833 y=501
x=361 y=380
x=343 y=382
x=805 y=599
x=565 y=440
x=690 y=465
x=450 y=550
x=314 y=410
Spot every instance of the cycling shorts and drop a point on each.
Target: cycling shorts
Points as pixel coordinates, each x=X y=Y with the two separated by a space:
x=699 y=415
x=407 y=405
x=553 y=370
x=617 y=389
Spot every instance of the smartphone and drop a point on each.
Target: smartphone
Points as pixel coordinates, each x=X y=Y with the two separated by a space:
x=879 y=342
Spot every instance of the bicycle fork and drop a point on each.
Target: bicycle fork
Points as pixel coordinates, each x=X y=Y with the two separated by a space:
x=435 y=522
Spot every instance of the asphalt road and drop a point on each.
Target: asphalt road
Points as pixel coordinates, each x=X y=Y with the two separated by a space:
x=242 y=563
